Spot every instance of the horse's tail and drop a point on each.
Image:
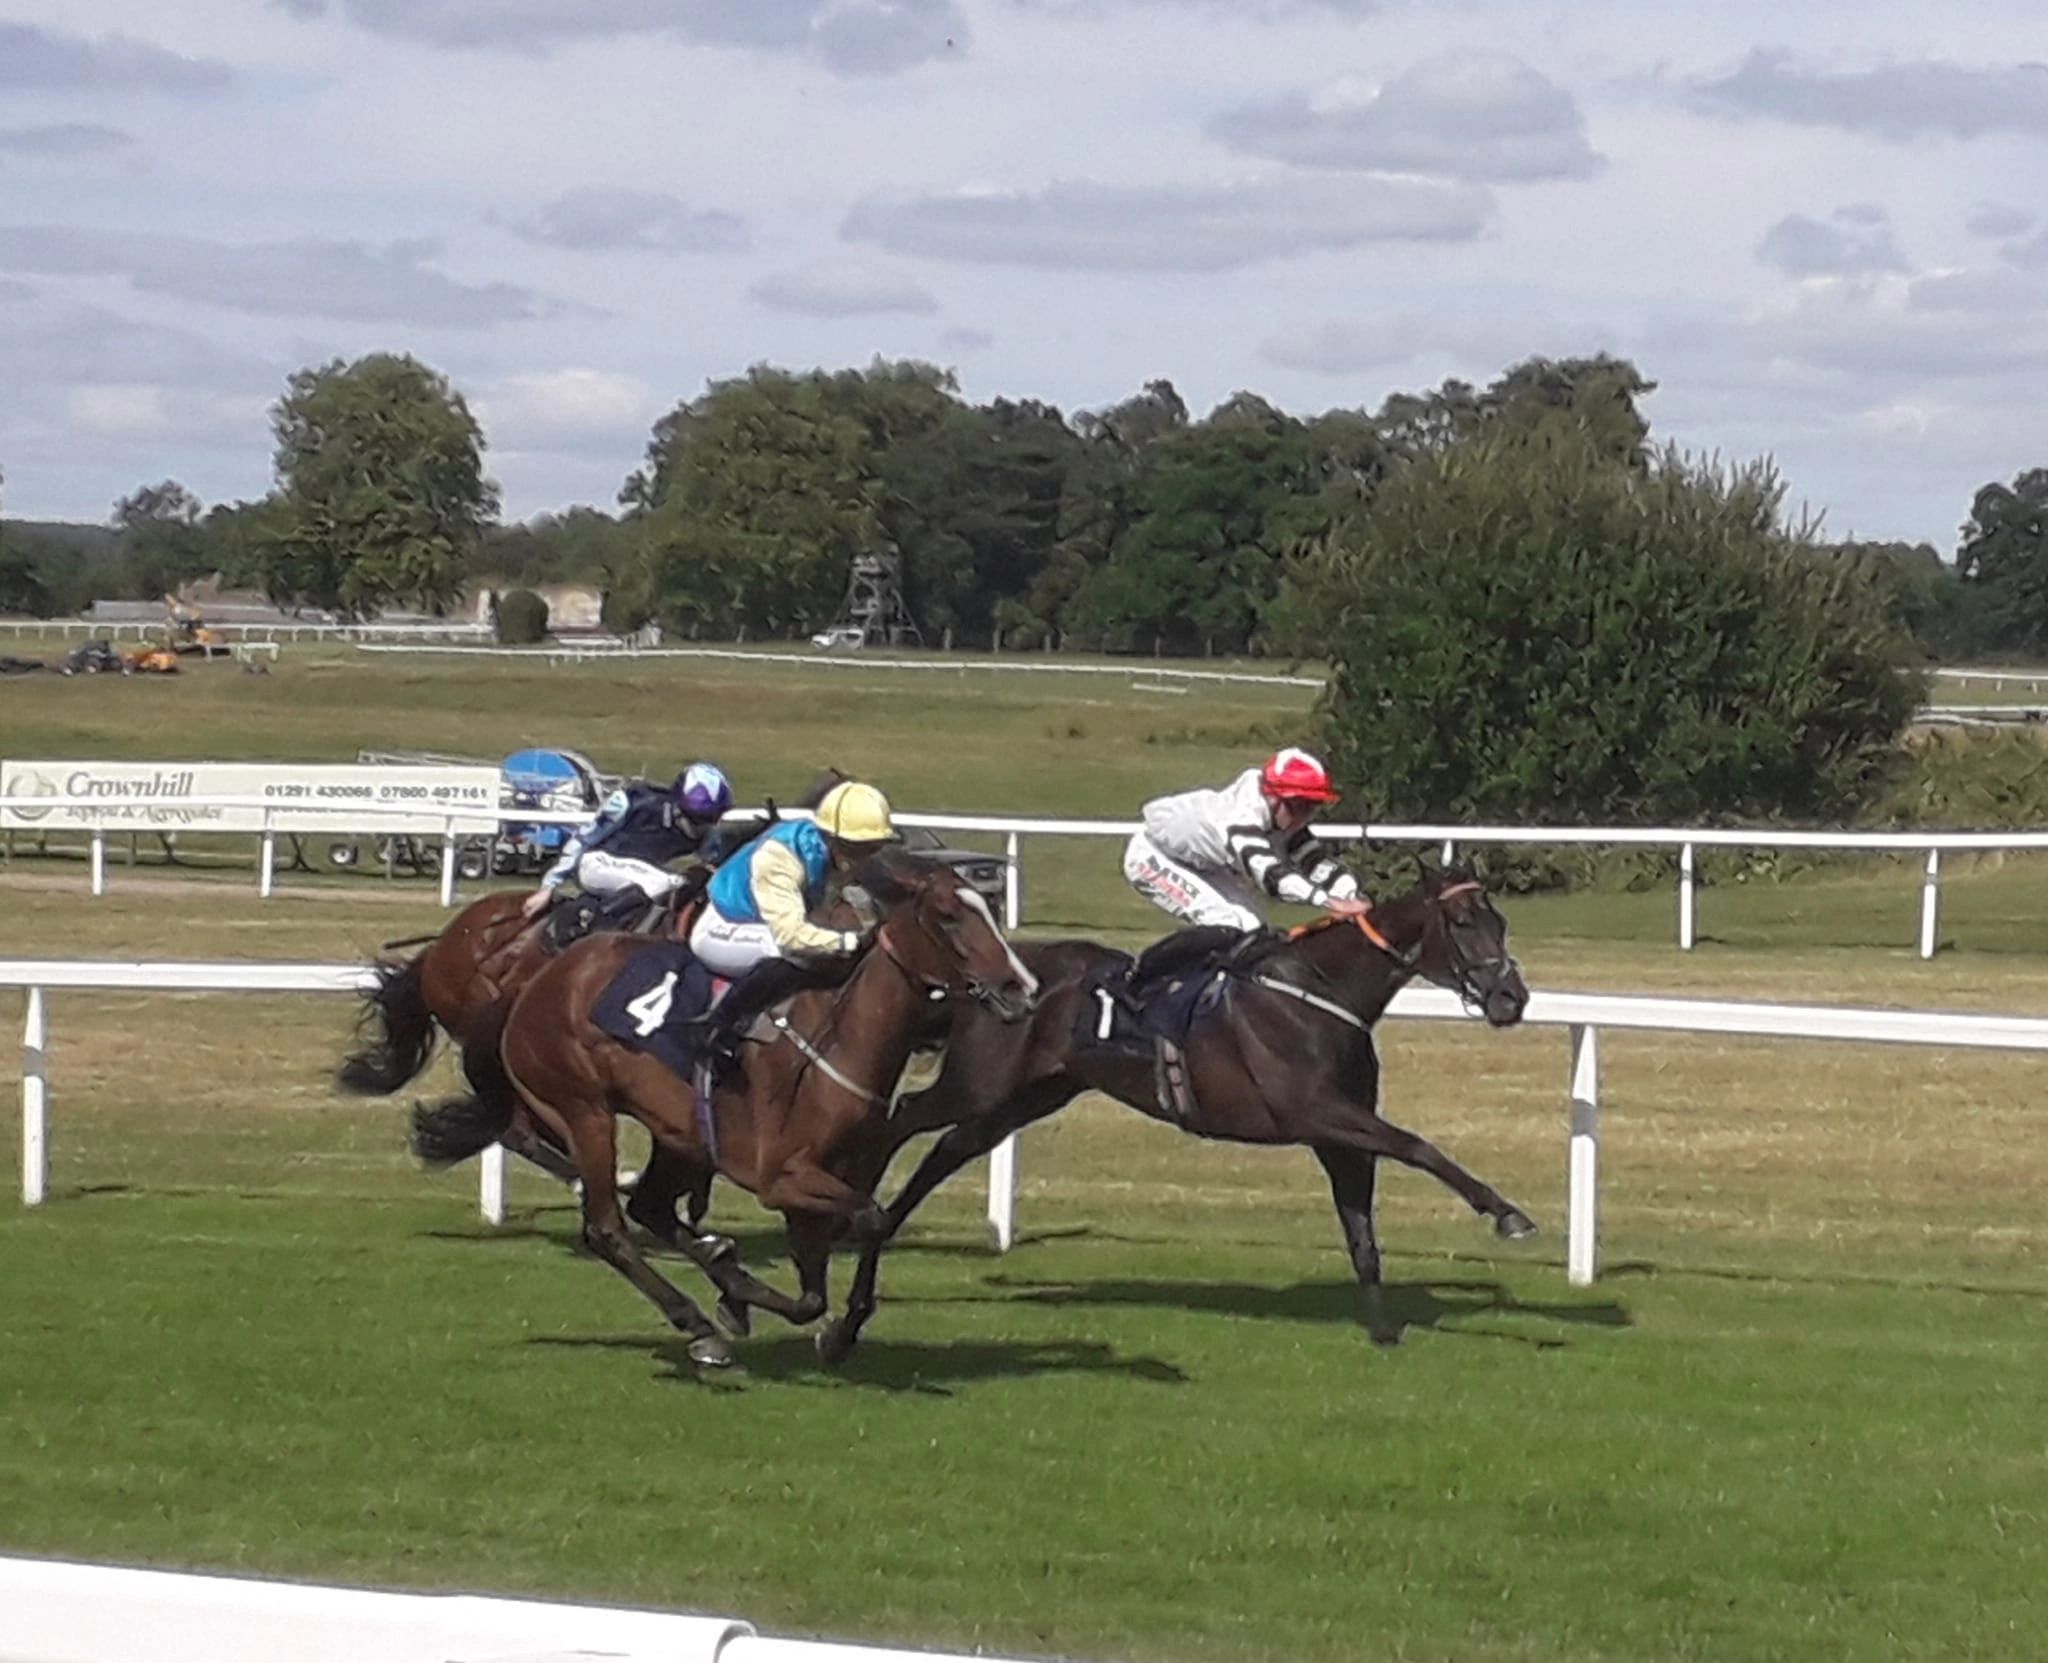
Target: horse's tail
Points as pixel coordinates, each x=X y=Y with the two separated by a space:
x=399 y=1033
x=458 y=1127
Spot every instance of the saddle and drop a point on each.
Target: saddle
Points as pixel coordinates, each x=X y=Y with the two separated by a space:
x=569 y=921
x=1147 y=1006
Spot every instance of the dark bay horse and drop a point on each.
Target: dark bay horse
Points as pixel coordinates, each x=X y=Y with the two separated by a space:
x=804 y=1125
x=1287 y=1057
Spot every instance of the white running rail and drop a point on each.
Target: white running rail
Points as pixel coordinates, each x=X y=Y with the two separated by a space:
x=1932 y=845
x=38 y=976
x=1582 y=1014
x=55 y=1611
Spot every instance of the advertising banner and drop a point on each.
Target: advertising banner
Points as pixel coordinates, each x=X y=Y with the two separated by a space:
x=300 y=797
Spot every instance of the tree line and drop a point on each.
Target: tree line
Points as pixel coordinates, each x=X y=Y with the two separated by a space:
x=1138 y=528
x=1528 y=608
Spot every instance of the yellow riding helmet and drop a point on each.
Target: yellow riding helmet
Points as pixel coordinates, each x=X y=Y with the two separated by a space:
x=856 y=813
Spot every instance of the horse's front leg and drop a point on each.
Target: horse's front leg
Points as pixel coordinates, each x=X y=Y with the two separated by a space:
x=1352 y=1175
x=1375 y=1136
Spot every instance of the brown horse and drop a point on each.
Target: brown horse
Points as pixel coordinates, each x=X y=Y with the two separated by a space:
x=804 y=1125
x=1287 y=1057
x=461 y=983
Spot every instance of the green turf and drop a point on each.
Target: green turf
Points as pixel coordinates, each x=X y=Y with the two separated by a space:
x=1798 y=1418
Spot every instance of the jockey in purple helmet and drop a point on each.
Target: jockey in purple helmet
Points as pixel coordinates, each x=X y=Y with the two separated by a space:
x=638 y=831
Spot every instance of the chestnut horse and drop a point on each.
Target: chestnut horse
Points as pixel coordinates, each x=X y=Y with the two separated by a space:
x=1287 y=1057
x=804 y=1124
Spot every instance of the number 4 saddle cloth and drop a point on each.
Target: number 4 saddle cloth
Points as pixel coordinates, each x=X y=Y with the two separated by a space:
x=654 y=1000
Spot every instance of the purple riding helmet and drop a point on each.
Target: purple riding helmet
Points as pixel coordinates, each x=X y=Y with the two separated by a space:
x=703 y=792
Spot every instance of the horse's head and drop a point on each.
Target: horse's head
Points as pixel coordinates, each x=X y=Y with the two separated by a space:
x=1465 y=946
x=942 y=932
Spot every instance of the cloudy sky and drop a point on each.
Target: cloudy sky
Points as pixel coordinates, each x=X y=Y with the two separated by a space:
x=1823 y=228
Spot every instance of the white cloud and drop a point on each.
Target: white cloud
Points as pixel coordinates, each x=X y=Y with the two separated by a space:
x=308 y=277
x=45 y=60
x=836 y=291
x=63 y=139
x=531 y=412
x=144 y=410
x=1857 y=241
x=1894 y=101
x=596 y=219
x=849 y=37
x=1479 y=115
x=1083 y=225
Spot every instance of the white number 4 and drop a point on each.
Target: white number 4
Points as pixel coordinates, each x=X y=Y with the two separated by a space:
x=650 y=1010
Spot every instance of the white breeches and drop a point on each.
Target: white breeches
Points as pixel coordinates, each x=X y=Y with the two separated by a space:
x=1192 y=896
x=606 y=874
x=730 y=949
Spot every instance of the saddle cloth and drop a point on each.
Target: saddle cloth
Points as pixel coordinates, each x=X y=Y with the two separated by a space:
x=1121 y=1017
x=651 y=1002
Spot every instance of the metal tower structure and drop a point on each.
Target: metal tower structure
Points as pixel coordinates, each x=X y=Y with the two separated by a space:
x=874 y=603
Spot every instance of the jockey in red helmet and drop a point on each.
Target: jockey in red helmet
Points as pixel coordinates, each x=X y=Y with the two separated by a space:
x=1205 y=855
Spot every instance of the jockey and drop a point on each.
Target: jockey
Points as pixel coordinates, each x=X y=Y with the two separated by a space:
x=755 y=926
x=1199 y=854
x=636 y=833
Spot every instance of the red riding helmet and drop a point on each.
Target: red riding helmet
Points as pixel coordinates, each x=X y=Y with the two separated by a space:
x=1295 y=774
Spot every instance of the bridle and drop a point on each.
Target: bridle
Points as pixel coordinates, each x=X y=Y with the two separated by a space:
x=1464 y=971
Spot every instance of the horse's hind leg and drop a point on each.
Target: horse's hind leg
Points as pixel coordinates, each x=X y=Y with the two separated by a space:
x=963 y=1142
x=1352 y=1175
x=670 y=1175
x=1397 y=1143
x=593 y=1135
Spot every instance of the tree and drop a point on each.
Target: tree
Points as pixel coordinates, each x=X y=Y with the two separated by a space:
x=2003 y=561
x=162 y=545
x=1200 y=562
x=1525 y=627
x=520 y=618
x=381 y=495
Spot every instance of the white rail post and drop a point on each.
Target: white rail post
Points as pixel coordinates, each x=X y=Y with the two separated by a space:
x=99 y=860
x=1930 y=904
x=1013 y=894
x=35 y=1102
x=266 y=862
x=1450 y=851
x=1685 y=897
x=1002 y=1193
x=448 y=864
x=1582 y=1242
x=490 y=1184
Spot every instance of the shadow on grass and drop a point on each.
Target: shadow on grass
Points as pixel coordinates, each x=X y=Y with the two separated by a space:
x=887 y=1365
x=1439 y=1305
x=1646 y=1269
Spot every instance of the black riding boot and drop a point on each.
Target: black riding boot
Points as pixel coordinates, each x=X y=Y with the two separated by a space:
x=1183 y=950
x=762 y=988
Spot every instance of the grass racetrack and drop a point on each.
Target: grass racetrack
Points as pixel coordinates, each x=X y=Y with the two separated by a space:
x=1799 y=1417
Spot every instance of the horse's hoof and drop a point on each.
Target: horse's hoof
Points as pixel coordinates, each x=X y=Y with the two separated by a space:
x=717 y=1249
x=708 y=1351
x=1514 y=1225
x=869 y=1225
x=738 y=1322
x=834 y=1344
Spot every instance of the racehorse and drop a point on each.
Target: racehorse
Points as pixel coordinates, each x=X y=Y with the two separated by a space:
x=1287 y=1057
x=804 y=1125
x=461 y=983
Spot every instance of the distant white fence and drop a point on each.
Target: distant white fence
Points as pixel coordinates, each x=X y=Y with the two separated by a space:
x=576 y=652
x=289 y=629
x=1012 y=828
x=1584 y=1014
x=2032 y=680
x=54 y=1611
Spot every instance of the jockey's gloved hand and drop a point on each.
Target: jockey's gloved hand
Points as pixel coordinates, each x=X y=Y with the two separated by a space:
x=1348 y=906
